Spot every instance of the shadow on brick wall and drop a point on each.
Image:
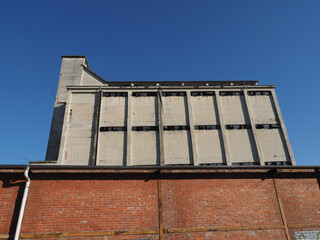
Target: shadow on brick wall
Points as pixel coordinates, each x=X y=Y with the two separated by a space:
x=9 y=181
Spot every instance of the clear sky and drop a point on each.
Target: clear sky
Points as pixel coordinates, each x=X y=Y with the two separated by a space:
x=275 y=42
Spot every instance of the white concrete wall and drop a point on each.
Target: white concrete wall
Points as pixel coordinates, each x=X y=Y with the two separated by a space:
x=78 y=144
x=200 y=118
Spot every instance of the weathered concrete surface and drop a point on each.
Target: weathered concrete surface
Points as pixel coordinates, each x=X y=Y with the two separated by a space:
x=71 y=74
x=149 y=124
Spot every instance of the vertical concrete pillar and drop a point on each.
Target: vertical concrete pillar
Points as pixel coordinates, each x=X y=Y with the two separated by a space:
x=64 y=131
x=161 y=136
x=191 y=125
x=253 y=128
x=98 y=133
x=223 y=129
x=129 y=131
x=95 y=143
x=71 y=73
x=283 y=127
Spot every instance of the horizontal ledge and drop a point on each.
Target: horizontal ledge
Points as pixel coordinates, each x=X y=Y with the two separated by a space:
x=87 y=234
x=167 y=88
x=156 y=169
x=231 y=228
x=306 y=225
x=152 y=232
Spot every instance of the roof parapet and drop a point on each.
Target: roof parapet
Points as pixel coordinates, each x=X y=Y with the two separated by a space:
x=77 y=56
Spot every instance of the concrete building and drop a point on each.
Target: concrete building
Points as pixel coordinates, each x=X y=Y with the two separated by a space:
x=99 y=122
x=151 y=156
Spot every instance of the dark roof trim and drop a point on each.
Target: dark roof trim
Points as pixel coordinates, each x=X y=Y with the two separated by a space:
x=173 y=168
x=174 y=83
x=183 y=83
x=73 y=56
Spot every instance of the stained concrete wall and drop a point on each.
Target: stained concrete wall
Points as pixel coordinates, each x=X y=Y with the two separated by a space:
x=148 y=124
x=71 y=74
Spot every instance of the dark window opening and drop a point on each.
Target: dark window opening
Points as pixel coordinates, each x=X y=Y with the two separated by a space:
x=178 y=165
x=277 y=163
x=175 y=128
x=230 y=93
x=145 y=128
x=212 y=164
x=112 y=129
x=259 y=93
x=195 y=94
x=237 y=126
x=173 y=94
x=206 y=127
x=115 y=94
x=245 y=164
x=144 y=94
x=267 y=126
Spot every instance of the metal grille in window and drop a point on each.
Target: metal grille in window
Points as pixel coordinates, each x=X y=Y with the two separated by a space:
x=267 y=126
x=206 y=127
x=178 y=165
x=212 y=164
x=238 y=126
x=145 y=128
x=259 y=93
x=112 y=129
x=175 y=128
x=144 y=94
x=230 y=93
x=195 y=94
x=245 y=164
x=173 y=94
x=115 y=94
x=277 y=163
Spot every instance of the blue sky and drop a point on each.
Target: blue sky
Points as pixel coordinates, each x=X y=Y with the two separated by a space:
x=275 y=42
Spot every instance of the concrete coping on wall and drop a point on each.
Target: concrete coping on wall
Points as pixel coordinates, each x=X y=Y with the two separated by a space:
x=157 y=169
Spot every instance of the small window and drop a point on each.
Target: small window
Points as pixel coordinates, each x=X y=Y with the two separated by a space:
x=277 y=163
x=206 y=127
x=230 y=93
x=212 y=164
x=175 y=128
x=237 y=126
x=115 y=94
x=196 y=94
x=144 y=94
x=112 y=129
x=259 y=93
x=267 y=126
x=145 y=128
x=245 y=164
x=173 y=94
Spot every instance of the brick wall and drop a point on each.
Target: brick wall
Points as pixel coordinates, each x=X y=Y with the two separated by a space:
x=185 y=205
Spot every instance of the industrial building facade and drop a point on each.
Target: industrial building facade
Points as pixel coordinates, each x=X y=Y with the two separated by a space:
x=161 y=161
x=104 y=123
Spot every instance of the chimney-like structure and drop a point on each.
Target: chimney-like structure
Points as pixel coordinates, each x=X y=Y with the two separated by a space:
x=70 y=75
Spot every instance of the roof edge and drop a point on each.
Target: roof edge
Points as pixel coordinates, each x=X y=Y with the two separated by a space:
x=77 y=56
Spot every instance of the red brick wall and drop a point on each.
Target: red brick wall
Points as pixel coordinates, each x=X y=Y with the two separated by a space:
x=301 y=199
x=195 y=203
x=194 y=206
x=91 y=205
x=10 y=187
